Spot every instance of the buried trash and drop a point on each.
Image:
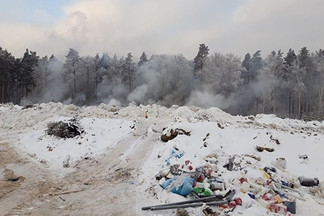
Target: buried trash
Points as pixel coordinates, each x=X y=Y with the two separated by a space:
x=173 y=133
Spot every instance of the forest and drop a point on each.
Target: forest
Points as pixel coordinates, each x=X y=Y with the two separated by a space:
x=288 y=85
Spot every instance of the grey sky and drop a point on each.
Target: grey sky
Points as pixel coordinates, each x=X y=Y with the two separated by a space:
x=160 y=26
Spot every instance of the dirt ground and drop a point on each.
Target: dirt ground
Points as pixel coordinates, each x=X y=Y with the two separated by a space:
x=104 y=185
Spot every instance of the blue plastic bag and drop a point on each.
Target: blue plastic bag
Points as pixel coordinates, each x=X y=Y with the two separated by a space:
x=174 y=154
x=184 y=189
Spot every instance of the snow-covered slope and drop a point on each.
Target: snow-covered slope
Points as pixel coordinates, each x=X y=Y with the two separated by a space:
x=136 y=130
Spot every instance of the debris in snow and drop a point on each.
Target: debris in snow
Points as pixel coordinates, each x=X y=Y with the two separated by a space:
x=209 y=212
x=64 y=129
x=66 y=162
x=182 y=212
x=230 y=164
x=255 y=157
x=220 y=126
x=181 y=185
x=275 y=140
x=308 y=182
x=291 y=206
x=9 y=175
x=28 y=106
x=303 y=156
x=261 y=149
x=281 y=163
x=270 y=170
x=173 y=133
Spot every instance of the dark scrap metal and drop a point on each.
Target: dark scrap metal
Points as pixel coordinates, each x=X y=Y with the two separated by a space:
x=212 y=200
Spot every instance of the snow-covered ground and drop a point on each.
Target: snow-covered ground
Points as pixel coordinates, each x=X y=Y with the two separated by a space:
x=129 y=139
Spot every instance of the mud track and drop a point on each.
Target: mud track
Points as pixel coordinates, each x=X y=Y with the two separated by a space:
x=104 y=185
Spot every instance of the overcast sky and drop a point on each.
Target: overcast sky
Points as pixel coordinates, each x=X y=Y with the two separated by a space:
x=160 y=26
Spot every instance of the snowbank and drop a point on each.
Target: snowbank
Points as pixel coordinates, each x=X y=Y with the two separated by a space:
x=212 y=132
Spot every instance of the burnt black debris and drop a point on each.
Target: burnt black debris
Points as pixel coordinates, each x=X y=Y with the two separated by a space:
x=64 y=129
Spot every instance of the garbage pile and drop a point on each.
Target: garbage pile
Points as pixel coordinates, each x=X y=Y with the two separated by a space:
x=232 y=185
x=64 y=130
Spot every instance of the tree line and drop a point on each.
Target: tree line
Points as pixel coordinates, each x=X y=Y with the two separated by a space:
x=289 y=85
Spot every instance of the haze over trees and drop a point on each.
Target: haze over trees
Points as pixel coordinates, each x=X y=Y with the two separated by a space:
x=288 y=85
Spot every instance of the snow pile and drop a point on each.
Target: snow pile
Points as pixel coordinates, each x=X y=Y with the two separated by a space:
x=99 y=135
x=215 y=137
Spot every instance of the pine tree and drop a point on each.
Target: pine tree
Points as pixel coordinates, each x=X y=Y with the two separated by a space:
x=128 y=71
x=7 y=62
x=199 y=61
x=40 y=74
x=143 y=59
x=252 y=67
x=27 y=82
x=246 y=64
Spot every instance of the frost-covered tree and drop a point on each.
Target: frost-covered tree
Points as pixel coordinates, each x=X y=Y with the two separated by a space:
x=165 y=80
x=88 y=69
x=223 y=73
x=104 y=61
x=71 y=66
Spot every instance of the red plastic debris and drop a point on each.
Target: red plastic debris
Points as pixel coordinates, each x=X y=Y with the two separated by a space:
x=232 y=204
x=243 y=180
x=278 y=208
x=223 y=206
x=201 y=178
x=238 y=201
x=267 y=196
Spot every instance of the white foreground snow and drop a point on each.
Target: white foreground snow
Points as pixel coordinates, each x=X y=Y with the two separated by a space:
x=107 y=127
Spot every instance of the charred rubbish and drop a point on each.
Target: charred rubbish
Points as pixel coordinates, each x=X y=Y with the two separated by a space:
x=64 y=129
